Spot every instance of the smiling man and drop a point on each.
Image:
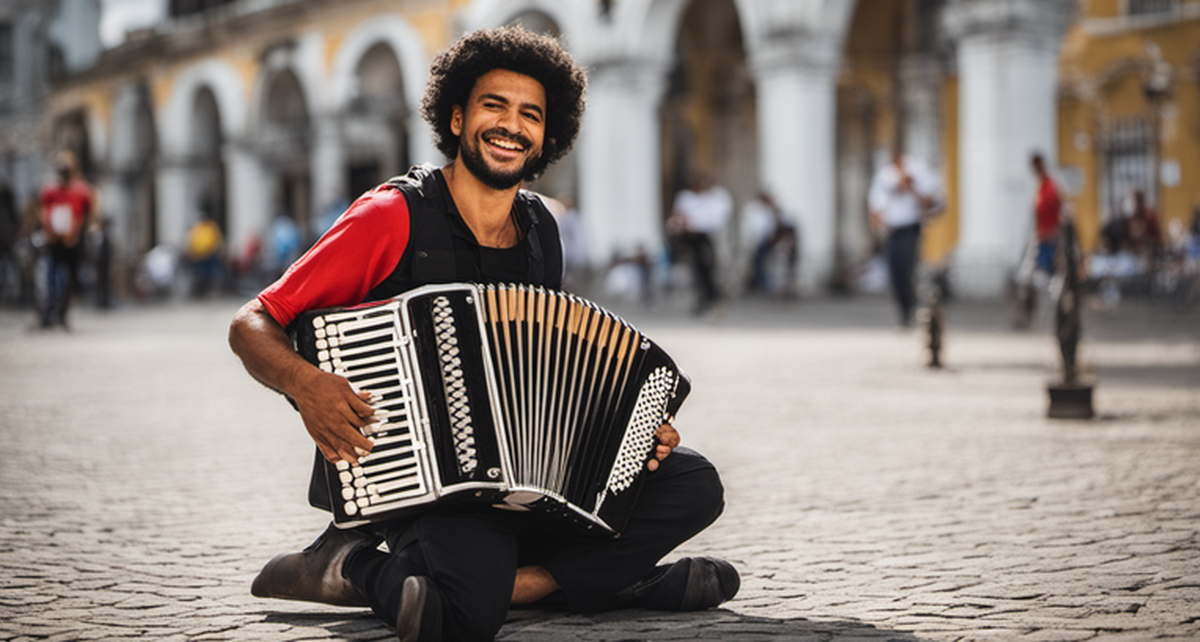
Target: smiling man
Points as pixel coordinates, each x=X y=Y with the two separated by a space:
x=504 y=104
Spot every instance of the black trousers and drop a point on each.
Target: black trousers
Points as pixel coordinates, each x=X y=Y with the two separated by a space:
x=471 y=553
x=903 y=245
x=704 y=264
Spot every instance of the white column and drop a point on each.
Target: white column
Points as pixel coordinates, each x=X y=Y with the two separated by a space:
x=1007 y=68
x=797 y=125
x=619 y=152
x=921 y=84
x=249 y=203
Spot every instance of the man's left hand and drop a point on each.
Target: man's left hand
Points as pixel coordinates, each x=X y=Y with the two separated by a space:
x=668 y=439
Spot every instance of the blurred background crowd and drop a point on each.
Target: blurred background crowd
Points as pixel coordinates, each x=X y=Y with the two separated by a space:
x=731 y=148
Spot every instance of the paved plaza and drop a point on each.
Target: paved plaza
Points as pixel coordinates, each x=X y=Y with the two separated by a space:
x=147 y=478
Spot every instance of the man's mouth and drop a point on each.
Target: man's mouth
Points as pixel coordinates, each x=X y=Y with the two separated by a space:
x=506 y=142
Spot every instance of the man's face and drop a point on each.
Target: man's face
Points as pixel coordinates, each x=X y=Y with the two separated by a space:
x=501 y=129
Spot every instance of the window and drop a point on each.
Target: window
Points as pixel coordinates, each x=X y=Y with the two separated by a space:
x=1150 y=7
x=1128 y=165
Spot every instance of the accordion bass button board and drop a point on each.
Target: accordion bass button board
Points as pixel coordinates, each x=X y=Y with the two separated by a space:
x=525 y=398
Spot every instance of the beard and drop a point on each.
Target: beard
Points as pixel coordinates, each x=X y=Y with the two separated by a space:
x=496 y=179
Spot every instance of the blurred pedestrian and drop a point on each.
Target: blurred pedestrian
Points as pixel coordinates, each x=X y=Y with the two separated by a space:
x=576 y=263
x=205 y=254
x=697 y=219
x=67 y=209
x=903 y=195
x=1144 y=231
x=1039 y=263
x=10 y=224
x=284 y=243
x=767 y=231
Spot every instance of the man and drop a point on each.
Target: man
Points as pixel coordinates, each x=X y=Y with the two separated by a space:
x=903 y=194
x=698 y=216
x=503 y=104
x=1145 y=233
x=1047 y=209
x=766 y=228
x=65 y=214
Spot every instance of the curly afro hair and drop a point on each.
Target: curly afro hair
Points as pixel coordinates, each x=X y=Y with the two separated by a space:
x=454 y=72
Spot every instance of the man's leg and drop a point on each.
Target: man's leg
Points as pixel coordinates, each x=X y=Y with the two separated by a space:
x=678 y=501
x=469 y=557
x=902 y=248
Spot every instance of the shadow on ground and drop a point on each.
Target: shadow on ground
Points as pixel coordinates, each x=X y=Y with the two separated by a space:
x=617 y=626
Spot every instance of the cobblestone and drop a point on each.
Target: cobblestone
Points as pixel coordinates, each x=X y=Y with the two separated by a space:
x=147 y=479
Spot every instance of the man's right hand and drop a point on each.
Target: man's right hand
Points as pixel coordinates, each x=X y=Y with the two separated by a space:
x=334 y=415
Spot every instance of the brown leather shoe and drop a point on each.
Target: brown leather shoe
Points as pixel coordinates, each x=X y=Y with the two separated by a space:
x=420 y=616
x=314 y=574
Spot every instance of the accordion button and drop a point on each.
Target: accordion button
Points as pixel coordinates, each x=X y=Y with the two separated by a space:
x=345 y=477
x=351 y=508
x=347 y=493
x=342 y=465
x=363 y=502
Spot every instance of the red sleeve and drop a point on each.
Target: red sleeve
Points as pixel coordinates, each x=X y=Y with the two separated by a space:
x=355 y=255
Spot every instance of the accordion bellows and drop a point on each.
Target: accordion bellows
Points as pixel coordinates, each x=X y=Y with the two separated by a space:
x=522 y=397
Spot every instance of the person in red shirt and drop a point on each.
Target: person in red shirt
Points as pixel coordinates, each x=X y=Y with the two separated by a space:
x=1047 y=208
x=66 y=211
x=503 y=104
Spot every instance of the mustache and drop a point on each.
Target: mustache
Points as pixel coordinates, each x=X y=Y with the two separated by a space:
x=500 y=132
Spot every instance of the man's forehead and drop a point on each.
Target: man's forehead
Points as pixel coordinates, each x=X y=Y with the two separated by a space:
x=498 y=78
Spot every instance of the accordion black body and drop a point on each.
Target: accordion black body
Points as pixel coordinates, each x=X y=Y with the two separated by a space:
x=525 y=398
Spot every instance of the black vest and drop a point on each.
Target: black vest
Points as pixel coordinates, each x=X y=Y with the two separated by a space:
x=441 y=249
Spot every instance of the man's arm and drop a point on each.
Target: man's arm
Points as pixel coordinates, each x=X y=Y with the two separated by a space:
x=333 y=413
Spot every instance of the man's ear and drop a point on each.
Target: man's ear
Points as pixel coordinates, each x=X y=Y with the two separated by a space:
x=456 y=120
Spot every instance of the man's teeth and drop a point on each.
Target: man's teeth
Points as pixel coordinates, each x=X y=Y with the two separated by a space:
x=506 y=144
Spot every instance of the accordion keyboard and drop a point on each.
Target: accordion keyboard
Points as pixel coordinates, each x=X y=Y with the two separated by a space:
x=362 y=348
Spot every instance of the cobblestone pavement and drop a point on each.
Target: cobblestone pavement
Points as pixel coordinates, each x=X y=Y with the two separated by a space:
x=147 y=478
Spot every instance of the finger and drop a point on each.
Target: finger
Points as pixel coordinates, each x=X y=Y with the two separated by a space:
x=667 y=435
x=361 y=404
x=652 y=465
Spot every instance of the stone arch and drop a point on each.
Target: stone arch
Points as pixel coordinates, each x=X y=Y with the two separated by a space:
x=135 y=152
x=574 y=20
x=73 y=130
x=206 y=150
x=283 y=142
x=404 y=41
x=174 y=117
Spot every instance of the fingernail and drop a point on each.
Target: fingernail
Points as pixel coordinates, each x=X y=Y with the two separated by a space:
x=361 y=452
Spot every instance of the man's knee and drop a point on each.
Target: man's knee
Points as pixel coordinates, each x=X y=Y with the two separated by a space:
x=692 y=487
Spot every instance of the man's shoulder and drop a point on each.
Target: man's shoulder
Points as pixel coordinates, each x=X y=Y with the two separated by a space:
x=418 y=178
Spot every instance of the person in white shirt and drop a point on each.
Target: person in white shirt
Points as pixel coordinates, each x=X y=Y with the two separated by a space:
x=765 y=229
x=902 y=196
x=697 y=217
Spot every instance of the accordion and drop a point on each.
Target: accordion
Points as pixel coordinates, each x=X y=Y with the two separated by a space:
x=518 y=396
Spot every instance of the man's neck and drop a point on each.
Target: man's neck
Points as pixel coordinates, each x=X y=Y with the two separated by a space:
x=486 y=210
